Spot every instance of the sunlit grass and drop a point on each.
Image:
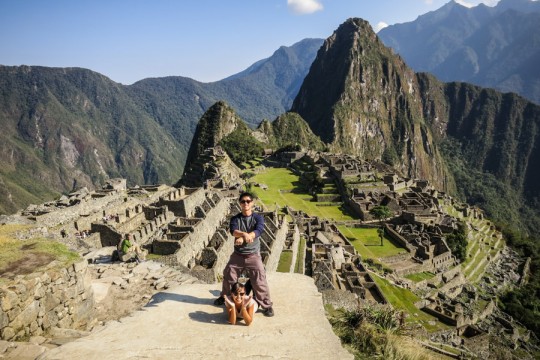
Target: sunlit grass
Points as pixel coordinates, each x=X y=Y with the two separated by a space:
x=404 y=299
x=368 y=243
x=284 y=190
x=285 y=261
x=13 y=250
x=417 y=277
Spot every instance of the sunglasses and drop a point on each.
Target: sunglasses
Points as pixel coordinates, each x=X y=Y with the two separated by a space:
x=240 y=294
x=245 y=201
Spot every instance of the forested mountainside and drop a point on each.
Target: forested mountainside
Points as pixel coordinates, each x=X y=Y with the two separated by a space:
x=221 y=126
x=64 y=128
x=68 y=128
x=488 y=46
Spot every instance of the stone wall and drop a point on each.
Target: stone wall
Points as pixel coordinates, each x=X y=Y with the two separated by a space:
x=278 y=243
x=203 y=232
x=34 y=304
x=108 y=235
x=68 y=215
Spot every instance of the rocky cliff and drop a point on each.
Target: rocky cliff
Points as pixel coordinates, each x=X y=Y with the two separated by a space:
x=362 y=99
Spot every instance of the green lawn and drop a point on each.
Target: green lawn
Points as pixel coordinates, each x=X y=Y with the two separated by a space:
x=292 y=195
x=420 y=276
x=403 y=299
x=299 y=266
x=285 y=260
x=368 y=243
x=23 y=257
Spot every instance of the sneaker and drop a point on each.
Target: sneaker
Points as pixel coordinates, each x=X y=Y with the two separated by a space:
x=219 y=301
x=268 y=312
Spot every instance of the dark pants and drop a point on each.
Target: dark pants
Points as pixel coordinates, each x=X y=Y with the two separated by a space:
x=254 y=267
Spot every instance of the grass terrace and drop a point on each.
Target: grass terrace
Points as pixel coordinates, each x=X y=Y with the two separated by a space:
x=368 y=244
x=417 y=277
x=299 y=266
x=284 y=188
x=404 y=299
x=285 y=261
x=21 y=257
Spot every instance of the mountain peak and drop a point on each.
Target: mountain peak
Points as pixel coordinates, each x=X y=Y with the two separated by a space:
x=217 y=122
x=363 y=100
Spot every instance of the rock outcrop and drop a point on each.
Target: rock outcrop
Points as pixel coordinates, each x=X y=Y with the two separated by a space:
x=365 y=101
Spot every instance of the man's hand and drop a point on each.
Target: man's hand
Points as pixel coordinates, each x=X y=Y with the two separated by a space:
x=239 y=241
x=249 y=237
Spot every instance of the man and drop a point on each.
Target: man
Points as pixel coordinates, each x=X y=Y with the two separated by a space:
x=247 y=227
x=128 y=249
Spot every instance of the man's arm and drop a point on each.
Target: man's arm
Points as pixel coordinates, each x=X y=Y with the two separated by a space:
x=239 y=236
x=259 y=228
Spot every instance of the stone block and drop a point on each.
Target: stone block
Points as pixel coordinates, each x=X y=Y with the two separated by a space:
x=13 y=313
x=69 y=293
x=27 y=316
x=65 y=322
x=8 y=333
x=50 y=301
x=45 y=278
x=9 y=299
x=27 y=351
x=50 y=320
x=80 y=266
x=39 y=291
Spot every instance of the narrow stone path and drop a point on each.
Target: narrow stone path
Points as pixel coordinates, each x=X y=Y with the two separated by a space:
x=183 y=323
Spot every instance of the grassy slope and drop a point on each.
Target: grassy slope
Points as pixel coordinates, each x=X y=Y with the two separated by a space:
x=284 y=189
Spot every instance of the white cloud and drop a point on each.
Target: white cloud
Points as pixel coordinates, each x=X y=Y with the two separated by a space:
x=464 y=3
x=304 y=6
x=473 y=3
x=380 y=25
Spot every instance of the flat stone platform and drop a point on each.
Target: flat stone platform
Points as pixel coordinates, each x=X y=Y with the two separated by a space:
x=183 y=323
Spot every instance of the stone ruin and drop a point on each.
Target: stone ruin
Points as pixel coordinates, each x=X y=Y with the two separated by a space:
x=188 y=227
x=335 y=264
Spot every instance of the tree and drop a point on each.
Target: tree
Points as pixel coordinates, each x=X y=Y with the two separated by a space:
x=381 y=212
x=380 y=231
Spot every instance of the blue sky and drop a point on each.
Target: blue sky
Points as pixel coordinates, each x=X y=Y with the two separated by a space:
x=207 y=40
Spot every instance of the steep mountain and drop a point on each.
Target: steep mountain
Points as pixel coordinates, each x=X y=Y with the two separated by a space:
x=363 y=100
x=221 y=127
x=495 y=47
x=217 y=122
x=66 y=128
x=288 y=129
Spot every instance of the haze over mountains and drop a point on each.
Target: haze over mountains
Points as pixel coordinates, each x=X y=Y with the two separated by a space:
x=495 y=47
